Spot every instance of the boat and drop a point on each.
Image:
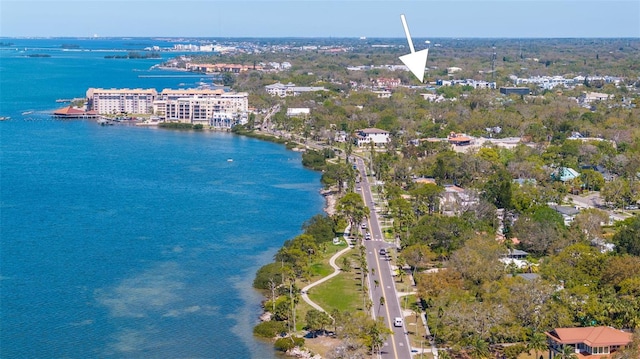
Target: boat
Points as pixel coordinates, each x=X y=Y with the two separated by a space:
x=27 y=113
x=229 y=159
x=4 y=118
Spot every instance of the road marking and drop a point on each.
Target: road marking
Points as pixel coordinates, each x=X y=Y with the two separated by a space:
x=386 y=307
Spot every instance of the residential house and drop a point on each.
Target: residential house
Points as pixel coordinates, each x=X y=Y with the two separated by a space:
x=298 y=112
x=388 y=83
x=564 y=174
x=425 y=180
x=516 y=258
x=590 y=342
x=341 y=136
x=382 y=94
x=456 y=200
x=568 y=213
x=432 y=97
x=587 y=98
x=377 y=136
x=459 y=139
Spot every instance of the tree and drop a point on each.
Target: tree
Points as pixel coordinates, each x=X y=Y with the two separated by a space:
x=426 y=198
x=317 y=320
x=443 y=234
x=417 y=256
x=320 y=227
x=616 y=192
x=567 y=352
x=589 y=222
x=497 y=189
x=477 y=348
x=527 y=300
x=478 y=261
x=593 y=180
x=338 y=174
x=228 y=79
x=402 y=213
x=537 y=342
x=266 y=273
x=381 y=303
x=352 y=207
x=628 y=237
x=539 y=229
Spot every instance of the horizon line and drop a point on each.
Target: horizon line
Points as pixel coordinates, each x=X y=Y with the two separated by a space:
x=312 y=37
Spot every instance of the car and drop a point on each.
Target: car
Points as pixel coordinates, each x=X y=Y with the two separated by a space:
x=364 y=226
x=383 y=252
x=367 y=235
x=397 y=322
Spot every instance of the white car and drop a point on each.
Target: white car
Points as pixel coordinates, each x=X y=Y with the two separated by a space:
x=364 y=226
x=397 y=322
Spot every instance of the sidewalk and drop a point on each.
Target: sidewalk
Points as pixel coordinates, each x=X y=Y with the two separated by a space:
x=336 y=271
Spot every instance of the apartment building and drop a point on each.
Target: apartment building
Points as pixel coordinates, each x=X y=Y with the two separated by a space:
x=202 y=106
x=116 y=101
x=198 y=106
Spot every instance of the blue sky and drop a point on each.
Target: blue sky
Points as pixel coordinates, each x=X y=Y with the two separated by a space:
x=321 y=18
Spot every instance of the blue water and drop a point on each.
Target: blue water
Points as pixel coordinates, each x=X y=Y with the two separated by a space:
x=129 y=242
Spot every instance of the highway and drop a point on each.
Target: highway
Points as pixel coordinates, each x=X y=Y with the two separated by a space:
x=395 y=346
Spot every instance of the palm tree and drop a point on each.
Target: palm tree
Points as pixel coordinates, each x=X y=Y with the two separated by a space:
x=381 y=304
x=537 y=342
x=567 y=352
x=478 y=348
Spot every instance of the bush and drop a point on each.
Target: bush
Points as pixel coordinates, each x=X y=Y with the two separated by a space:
x=268 y=272
x=198 y=126
x=284 y=344
x=513 y=351
x=176 y=125
x=269 y=329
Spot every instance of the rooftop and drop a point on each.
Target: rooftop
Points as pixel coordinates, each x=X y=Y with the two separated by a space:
x=592 y=336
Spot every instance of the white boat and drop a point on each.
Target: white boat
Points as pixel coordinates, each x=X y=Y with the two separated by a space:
x=229 y=159
x=27 y=113
x=4 y=118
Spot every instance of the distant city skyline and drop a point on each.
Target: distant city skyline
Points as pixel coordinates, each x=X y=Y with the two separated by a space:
x=320 y=18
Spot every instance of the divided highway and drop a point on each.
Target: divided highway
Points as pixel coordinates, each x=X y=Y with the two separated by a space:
x=396 y=346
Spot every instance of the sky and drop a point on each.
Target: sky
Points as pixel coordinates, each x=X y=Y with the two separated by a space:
x=321 y=18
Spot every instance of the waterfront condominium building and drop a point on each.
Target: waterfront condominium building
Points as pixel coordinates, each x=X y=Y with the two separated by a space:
x=203 y=106
x=118 y=101
x=198 y=106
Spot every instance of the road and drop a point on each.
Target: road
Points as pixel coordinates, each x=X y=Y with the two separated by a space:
x=396 y=346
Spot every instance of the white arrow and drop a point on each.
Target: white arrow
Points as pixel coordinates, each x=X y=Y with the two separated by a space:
x=415 y=61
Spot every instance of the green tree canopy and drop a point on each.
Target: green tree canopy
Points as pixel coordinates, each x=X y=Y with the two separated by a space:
x=627 y=239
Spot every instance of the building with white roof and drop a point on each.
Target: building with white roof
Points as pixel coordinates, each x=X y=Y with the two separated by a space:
x=290 y=89
x=368 y=135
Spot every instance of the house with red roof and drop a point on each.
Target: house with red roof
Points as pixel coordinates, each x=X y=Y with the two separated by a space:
x=588 y=342
x=72 y=112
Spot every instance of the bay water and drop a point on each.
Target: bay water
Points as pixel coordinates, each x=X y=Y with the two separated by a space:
x=129 y=242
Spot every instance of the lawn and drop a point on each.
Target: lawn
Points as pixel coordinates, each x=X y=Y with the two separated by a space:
x=341 y=292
